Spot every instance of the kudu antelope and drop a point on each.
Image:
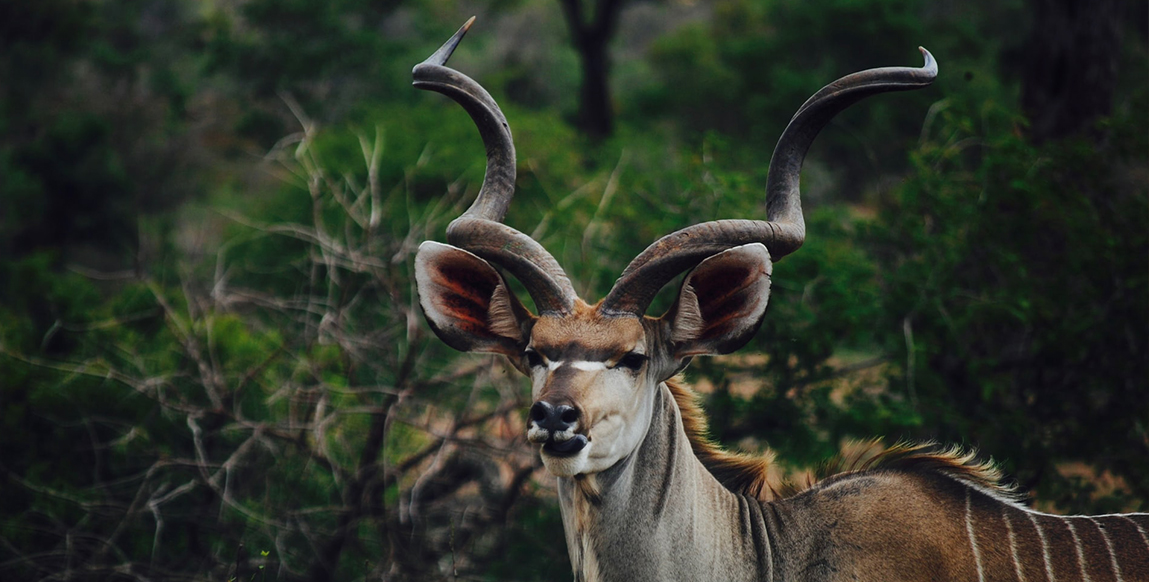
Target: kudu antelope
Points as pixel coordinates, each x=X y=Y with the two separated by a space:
x=643 y=495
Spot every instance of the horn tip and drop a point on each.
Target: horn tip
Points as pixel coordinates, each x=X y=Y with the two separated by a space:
x=440 y=56
x=931 y=65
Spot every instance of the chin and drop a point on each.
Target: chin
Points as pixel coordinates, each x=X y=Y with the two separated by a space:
x=580 y=463
x=567 y=465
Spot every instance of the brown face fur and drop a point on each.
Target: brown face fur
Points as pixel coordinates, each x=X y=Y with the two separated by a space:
x=601 y=370
x=585 y=335
x=600 y=367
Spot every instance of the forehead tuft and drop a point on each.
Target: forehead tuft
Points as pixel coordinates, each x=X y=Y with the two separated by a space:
x=586 y=335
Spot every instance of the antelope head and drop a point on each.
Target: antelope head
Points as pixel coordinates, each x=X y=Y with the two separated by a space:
x=594 y=368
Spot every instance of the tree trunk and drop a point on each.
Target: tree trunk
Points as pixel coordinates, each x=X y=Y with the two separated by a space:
x=595 y=117
x=591 y=40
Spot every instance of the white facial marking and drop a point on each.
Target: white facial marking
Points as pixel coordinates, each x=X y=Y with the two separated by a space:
x=578 y=365
x=588 y=366
x=537 y=435
x=565 y=435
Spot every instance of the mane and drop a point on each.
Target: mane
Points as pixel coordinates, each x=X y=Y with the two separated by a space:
x=758 y=476
x=955 y=462
x=752 y=475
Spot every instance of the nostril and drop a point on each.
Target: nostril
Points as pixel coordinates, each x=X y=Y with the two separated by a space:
x=539 y=411
x=569 y=415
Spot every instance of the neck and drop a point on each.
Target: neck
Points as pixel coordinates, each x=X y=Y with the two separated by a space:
x=660 y=515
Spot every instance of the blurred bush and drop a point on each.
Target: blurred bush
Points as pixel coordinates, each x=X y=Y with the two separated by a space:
x=1018 y=272
x=277 y=406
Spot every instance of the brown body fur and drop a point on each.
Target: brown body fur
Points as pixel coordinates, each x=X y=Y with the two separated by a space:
x=918 y=512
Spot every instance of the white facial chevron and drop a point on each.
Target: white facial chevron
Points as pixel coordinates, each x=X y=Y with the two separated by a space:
x=578 y=365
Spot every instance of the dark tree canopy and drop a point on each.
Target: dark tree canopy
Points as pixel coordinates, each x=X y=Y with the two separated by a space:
x=1071 y=65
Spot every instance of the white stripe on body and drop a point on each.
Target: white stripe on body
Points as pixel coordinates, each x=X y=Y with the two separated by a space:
x=1080 y=551
x=973 y=538
x=1109 y=546
x=1044 y=546
x=1144 y=536
x=1012 y=544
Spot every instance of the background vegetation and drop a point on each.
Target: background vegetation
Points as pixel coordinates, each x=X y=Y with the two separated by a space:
x=211 y=362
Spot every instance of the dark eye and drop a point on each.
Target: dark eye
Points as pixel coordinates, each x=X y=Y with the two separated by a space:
x=632 y=361
x=534 y=360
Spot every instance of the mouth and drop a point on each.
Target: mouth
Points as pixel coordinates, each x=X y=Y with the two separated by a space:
x=567 y=448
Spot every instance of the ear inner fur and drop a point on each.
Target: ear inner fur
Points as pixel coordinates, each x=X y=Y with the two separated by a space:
x=460 y=293
x=725 y=302
x=722 y=302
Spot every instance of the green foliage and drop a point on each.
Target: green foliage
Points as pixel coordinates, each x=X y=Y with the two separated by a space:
x=997 y=293
x=1020 y=271
x=243 y=414
x=326 y=40
x=94 y=109
x=75 y=169
x=747 y=70
x=528 y=556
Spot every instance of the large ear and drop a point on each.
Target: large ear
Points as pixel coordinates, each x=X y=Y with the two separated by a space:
x=722 y=302
x=467 y=302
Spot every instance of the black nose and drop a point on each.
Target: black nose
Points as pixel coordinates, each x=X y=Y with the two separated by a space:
x=553 y=418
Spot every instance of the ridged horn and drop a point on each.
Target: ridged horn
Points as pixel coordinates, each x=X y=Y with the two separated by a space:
x=480 y=229
x=784 y=230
